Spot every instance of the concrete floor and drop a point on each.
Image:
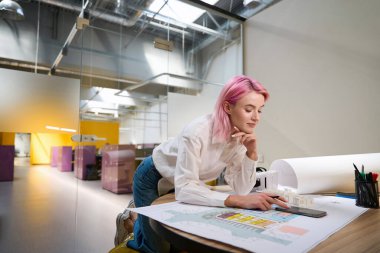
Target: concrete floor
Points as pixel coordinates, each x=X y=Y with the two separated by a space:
x=47 y=211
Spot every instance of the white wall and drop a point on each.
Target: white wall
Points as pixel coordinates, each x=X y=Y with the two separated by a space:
x=184 y=108
x=320 y=61
x=227 y=64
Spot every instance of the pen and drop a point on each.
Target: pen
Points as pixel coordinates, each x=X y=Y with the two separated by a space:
x=357 y=172
x=369 y=177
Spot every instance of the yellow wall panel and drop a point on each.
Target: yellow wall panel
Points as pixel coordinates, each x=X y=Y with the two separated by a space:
x=7 y=138
x=41 y=143
x=108 y=130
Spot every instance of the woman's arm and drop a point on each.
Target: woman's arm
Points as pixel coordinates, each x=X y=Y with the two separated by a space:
x=262 y=201
x=241 y=173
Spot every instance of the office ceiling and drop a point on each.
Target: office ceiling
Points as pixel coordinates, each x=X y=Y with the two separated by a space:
x=135 y=19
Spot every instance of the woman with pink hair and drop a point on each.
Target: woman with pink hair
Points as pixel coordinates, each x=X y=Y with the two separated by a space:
x=224 y=140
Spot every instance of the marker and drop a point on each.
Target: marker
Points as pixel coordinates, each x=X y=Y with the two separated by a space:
x=374 y=176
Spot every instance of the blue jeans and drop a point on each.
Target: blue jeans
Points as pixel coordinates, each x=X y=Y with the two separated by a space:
x=145 y=191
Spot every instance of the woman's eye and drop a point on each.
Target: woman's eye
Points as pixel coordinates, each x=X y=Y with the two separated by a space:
x=260 y=111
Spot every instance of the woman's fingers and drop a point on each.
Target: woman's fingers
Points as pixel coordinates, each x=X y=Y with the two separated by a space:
x=237 y=132
x=262 y=201
x=281 y=203
x=268 y=200
x=278 y=201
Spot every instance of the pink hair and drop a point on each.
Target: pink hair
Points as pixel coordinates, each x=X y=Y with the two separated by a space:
x=235 y=89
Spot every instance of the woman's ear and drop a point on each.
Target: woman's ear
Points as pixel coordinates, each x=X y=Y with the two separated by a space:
x=227 y=107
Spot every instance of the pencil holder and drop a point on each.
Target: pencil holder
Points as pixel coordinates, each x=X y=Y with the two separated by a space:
x=367 y=194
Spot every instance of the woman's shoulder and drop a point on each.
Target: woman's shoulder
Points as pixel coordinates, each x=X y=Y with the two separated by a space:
x=200 y=126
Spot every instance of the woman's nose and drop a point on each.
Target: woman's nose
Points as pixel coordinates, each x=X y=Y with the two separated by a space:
x=255 y=116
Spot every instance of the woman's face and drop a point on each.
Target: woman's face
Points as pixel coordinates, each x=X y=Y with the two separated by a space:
x=245 y=114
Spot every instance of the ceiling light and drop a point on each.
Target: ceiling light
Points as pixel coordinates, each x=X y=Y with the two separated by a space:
x=11 y=10
x=52 y=127
x=61 y=129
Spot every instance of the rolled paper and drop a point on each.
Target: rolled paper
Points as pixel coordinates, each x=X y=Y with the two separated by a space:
x=324 y=174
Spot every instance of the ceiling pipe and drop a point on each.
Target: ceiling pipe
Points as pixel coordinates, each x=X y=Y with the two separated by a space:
x=69 y=39
x=131 y=22
x=75 y=74
x=77 y=26
x=108 y=17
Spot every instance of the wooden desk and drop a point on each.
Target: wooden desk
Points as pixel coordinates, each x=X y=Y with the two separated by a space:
x=360 y=236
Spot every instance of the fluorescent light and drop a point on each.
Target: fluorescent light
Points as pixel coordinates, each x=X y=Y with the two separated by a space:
x=52 y=127
x=61 y=129
x=68 y=130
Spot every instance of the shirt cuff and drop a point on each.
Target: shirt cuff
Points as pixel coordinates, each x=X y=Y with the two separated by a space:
x=218 y=198
x=249 y=163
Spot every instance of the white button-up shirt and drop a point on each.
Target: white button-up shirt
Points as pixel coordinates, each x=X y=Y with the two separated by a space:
x=195 y=156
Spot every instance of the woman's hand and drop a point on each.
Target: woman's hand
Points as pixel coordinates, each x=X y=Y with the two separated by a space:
x=262 y=201
x=248 y=140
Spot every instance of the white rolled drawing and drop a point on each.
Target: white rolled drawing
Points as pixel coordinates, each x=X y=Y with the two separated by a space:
x=324 y=174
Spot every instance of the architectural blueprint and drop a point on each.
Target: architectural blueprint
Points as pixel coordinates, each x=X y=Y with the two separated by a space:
x=258 y=231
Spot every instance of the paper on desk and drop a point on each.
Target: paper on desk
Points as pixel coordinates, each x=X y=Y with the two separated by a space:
x=325 y=173
x=258 y=231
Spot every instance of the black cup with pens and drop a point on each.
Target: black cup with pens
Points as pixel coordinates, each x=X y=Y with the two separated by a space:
x=366 y=188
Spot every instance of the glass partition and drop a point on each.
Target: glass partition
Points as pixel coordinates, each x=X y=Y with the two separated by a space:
x=140 y=71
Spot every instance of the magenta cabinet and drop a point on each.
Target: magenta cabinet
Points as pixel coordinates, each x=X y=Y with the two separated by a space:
x=64 y=158
x=118 y=168
x=54 y=156
x=84 y=155
x=7 y=155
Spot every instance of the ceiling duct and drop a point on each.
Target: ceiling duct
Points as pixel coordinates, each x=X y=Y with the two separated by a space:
x=192 y=89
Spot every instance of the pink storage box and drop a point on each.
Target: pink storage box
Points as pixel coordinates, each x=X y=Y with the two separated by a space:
x=118 y=168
